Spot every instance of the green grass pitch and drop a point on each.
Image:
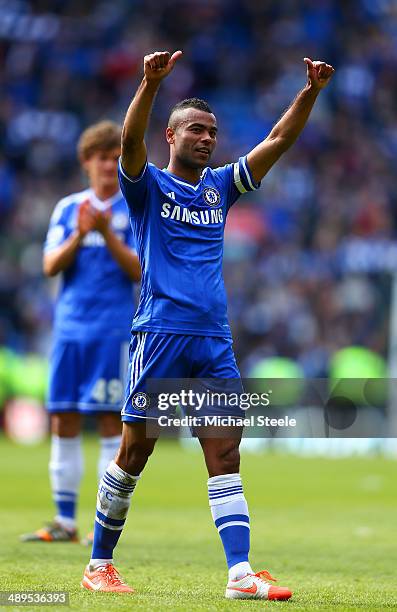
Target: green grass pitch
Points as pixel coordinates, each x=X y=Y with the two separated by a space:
x=324 y=527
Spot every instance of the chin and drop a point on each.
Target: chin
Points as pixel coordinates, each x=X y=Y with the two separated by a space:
x=110 y=183
x=193 y=163
x=196 y=165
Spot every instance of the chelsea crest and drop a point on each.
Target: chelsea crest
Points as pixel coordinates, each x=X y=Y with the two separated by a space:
x=211 y=196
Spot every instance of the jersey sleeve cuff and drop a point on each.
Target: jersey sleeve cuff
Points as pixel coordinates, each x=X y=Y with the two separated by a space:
x=48 y=248
x=132 y=179
x=55 y=237
x=243 y=177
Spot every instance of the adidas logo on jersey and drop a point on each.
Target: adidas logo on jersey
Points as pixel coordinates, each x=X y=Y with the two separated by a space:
x=171 y=195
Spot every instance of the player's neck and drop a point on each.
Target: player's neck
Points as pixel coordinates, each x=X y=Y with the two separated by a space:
x=191 y=175
x=104 y=193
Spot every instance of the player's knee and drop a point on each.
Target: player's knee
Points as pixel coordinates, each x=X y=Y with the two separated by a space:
x=227 y=459
x=66 y=425
x=109 y=424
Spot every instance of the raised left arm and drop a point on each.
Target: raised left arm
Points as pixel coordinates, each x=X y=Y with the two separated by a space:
x=288 y=128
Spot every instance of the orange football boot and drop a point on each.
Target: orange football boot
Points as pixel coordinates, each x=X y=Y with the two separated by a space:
x=106 y=579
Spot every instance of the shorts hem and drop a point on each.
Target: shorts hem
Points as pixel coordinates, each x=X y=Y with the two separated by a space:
x=77 y=407
x=136 y=418
x=182 y=332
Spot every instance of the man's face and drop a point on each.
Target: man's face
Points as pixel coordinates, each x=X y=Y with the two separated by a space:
x=193 y=139
x=101 y=168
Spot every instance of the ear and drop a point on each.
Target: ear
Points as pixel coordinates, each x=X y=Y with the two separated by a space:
x=170 y=135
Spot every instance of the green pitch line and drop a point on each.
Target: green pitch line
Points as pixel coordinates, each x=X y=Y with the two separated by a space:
x=325 y=528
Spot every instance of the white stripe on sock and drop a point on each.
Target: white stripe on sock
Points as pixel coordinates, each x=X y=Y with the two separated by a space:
x=111 y=527
x=231 y=523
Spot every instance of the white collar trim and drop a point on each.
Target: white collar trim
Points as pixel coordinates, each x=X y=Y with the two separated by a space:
x=103 y=204
x=195 y=187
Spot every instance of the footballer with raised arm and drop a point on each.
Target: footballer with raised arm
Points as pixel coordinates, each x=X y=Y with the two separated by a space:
x=180 y=329
x=89 y=242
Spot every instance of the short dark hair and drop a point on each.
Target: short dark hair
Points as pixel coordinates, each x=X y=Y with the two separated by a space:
x=197 y=103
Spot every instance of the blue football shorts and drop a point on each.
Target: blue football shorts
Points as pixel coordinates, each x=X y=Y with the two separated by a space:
x=209 y=361
x=88 y=376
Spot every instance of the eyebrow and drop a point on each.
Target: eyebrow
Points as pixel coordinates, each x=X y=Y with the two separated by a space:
x=201 y=125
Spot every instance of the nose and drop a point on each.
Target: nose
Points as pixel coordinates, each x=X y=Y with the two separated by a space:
x=110 y=164
x=206 y=138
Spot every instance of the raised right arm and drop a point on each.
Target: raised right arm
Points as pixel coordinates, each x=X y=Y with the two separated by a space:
x=133 y=149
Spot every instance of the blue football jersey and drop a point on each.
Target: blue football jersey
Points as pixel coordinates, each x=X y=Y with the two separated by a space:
x=178 y=229
x=96 y=296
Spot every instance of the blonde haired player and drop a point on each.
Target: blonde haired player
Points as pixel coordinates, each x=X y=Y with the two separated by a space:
x=90 y=244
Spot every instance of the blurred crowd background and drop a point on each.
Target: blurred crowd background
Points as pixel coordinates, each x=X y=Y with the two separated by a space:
x=309 y=257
